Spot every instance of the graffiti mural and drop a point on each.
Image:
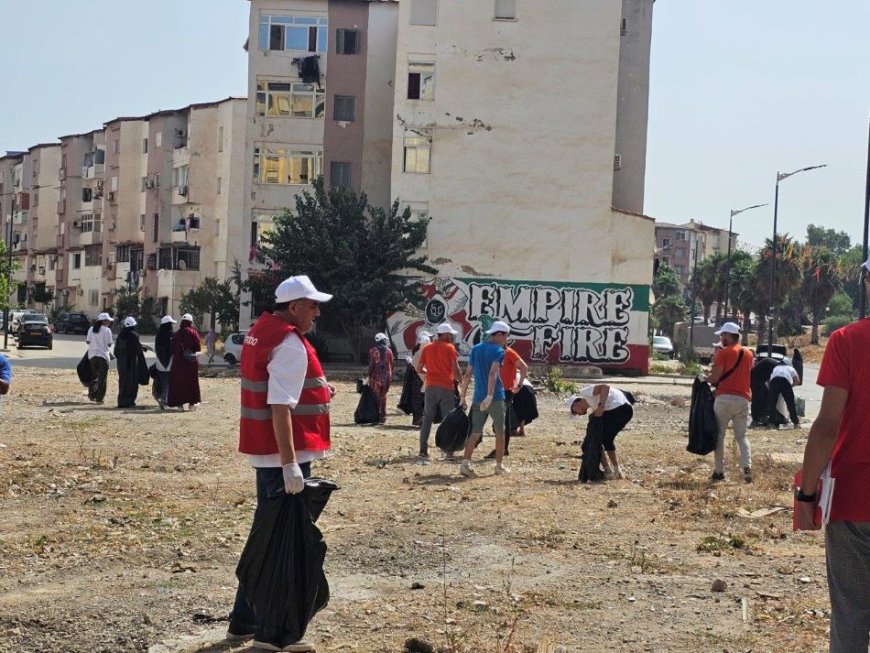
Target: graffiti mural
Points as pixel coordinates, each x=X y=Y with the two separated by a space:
x=597 y=324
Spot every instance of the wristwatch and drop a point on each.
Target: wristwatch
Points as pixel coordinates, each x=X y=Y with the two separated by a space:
x=805 y=498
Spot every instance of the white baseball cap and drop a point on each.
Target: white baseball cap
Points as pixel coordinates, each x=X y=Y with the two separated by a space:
x=498 y=327
x=105 y=316
x=187 y=316
x=380 y=336
x=571 y=401
x=129 y=321
x=299 y=287
x=728 y=327
x=423 y=337
x=445 y=327
x=167 y=319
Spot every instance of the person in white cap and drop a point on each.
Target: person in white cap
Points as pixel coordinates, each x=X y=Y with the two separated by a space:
x=184 y=375
x=782 y=378
x=284 y=424
x=99 y=339
x=163 y=364
x=839 y=441
x=132 y=367
x=416 y=398
x=484 y=363
x=732 y=366
x=439 y=367
x=613 y=408
x=381 y=372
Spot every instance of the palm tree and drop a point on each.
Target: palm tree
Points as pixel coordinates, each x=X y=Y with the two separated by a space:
x=822 y=278
x=787 y=279
x=741 y=291
x=705 y=284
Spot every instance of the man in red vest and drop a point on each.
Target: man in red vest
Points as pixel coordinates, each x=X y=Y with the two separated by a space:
x=284 y=417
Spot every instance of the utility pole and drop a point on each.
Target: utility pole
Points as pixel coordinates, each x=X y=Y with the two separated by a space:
x=8 y=275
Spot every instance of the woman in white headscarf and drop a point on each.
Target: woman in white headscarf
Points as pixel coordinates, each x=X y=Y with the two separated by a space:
x=381 y=372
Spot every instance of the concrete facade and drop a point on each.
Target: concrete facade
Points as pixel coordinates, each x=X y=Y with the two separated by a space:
x=491 y=126
x=676 y=245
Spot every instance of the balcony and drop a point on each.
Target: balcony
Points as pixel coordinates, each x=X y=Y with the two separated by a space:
x=186 y=236
x=20 y=217
x=93 y=172
x=20 y=245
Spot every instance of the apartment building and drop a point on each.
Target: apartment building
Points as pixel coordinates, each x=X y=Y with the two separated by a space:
x=677 y=244
x=520 y=131
x=151 y=204
x=320 y=102
x=15 y=204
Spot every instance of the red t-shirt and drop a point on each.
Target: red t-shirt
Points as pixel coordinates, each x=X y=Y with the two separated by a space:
x=737 y=382
x=846 y=365
x=439 y=359
x=508 y=370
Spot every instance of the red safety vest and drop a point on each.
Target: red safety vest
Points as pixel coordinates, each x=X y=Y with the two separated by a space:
x=310 y=417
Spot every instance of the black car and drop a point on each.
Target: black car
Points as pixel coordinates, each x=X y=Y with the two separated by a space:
x=35 y=330
x=73 y=323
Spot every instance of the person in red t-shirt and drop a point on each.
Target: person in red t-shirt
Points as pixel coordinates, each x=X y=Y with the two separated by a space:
x=841 y=436
x=512 y=363
x=439 y=367
x=730 y=374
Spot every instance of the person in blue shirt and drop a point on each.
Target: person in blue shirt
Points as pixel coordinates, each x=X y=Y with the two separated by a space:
x=484 y=363
x=5 y=375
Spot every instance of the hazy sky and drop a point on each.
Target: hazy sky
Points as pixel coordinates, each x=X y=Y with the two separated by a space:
x=740 y=90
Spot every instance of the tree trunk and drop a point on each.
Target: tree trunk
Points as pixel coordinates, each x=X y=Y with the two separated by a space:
x=814 y=334
x=746 y=325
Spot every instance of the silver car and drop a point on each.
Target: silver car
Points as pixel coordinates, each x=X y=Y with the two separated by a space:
x=663 y=345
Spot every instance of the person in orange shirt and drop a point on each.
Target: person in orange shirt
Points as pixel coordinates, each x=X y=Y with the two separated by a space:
x=439 y=367
x=513 y=362
x=730 y=374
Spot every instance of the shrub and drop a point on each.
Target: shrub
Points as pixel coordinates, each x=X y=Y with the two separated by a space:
x=835 y=322
x=555 y=382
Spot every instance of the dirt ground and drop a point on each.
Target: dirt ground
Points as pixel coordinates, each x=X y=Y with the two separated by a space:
x=120 y=531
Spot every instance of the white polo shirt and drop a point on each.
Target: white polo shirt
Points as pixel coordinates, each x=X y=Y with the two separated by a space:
x=615 y=398
x=785 y=372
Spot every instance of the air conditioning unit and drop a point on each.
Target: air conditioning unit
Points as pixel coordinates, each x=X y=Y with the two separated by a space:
x=182 y=190
x=149 y=183
x=75 y=223
x=112 y=227
x=111 y=196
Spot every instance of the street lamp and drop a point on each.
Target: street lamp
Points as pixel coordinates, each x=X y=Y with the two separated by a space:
x=728 y=261
x=779 y=177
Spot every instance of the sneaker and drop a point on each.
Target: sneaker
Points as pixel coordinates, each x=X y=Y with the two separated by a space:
x=449 y=456
x=747 y=474
x=618 y=473
x=162 y=404
x=501 y=469
x=465 y=469
x=608 y=474
x=796 y=425
x=717 y=476
x=422 y=460
x=302 y=647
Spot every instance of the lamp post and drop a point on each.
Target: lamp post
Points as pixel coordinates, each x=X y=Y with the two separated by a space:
x=772 y=311
x=8 y=275
x=728 y=260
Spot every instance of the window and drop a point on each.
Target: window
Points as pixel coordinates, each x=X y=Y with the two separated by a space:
x=421 y=81
x=623 y=27
x=93 y=255
x=144 y=146
x=680 y=235
x=35 y=198
x=93 y=297
x=666 y=242
x=304 y=33
x=116 y=147
x=179 y=176
x=187 y=258
x=156 y=230
x=221 y=138
x=164 y=258
x=122 y=254
x=505 y=9
x=344 y=108
x=424 y=12
x=158 y=139
x=89 y=222
x=52 y=261
x=141 y=222
x=419 y=211
x=137 y=256
x=87 y=195
x=340 y=174
x=76 y=261
x=346 y=41
x=261 y=223
x=282 y=100
x=679 y=270
x=617 y=162
x=286 y=167
x=417 y=152
x=219 y=184
x=144 y=183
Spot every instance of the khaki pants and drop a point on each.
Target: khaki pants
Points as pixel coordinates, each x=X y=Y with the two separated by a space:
x=734 y=409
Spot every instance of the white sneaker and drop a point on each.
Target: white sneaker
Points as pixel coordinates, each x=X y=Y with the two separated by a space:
x=422 y=460
x=618 y=473
x=501 y=469
x=608 y=474
x=465 y=469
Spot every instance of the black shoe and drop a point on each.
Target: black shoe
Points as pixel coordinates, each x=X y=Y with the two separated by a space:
x=239 y=633
x=717 y=476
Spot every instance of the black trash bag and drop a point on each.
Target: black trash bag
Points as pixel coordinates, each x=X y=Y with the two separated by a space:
x=407 y=388
x=367 y=411
x=524 y=406
x=758 y=378
x=281 y=569
x=703 y=428
x=83 y=369
x=629 y=396
x=590 y=468
x=453 y=431
x=797 y=362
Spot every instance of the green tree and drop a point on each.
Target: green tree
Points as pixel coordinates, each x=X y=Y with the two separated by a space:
x=850 y=265
x=708 y=283
x=788 y=277
x=43 y=295
x=364 y=255
x=126 y=303
x=667 y=311
x=5 y=275
x=841 y=304
x=218 y=299
x=666 y=282
x=837 y=242
x=742 y=295
x=821 y=280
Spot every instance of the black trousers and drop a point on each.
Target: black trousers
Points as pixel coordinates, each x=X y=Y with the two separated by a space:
x=780 y=386
x=613 y=421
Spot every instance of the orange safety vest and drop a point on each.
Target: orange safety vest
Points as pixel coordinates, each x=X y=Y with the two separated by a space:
x=310 y=417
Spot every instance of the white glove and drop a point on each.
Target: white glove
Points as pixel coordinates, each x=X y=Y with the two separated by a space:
x=294 y=482
x=486 y=402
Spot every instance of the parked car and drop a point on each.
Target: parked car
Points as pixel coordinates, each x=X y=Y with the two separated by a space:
x=663 y=345
x=233 y=347
x=15 y=319
x=73 y=323
x=778 y=351
x=35 y=330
